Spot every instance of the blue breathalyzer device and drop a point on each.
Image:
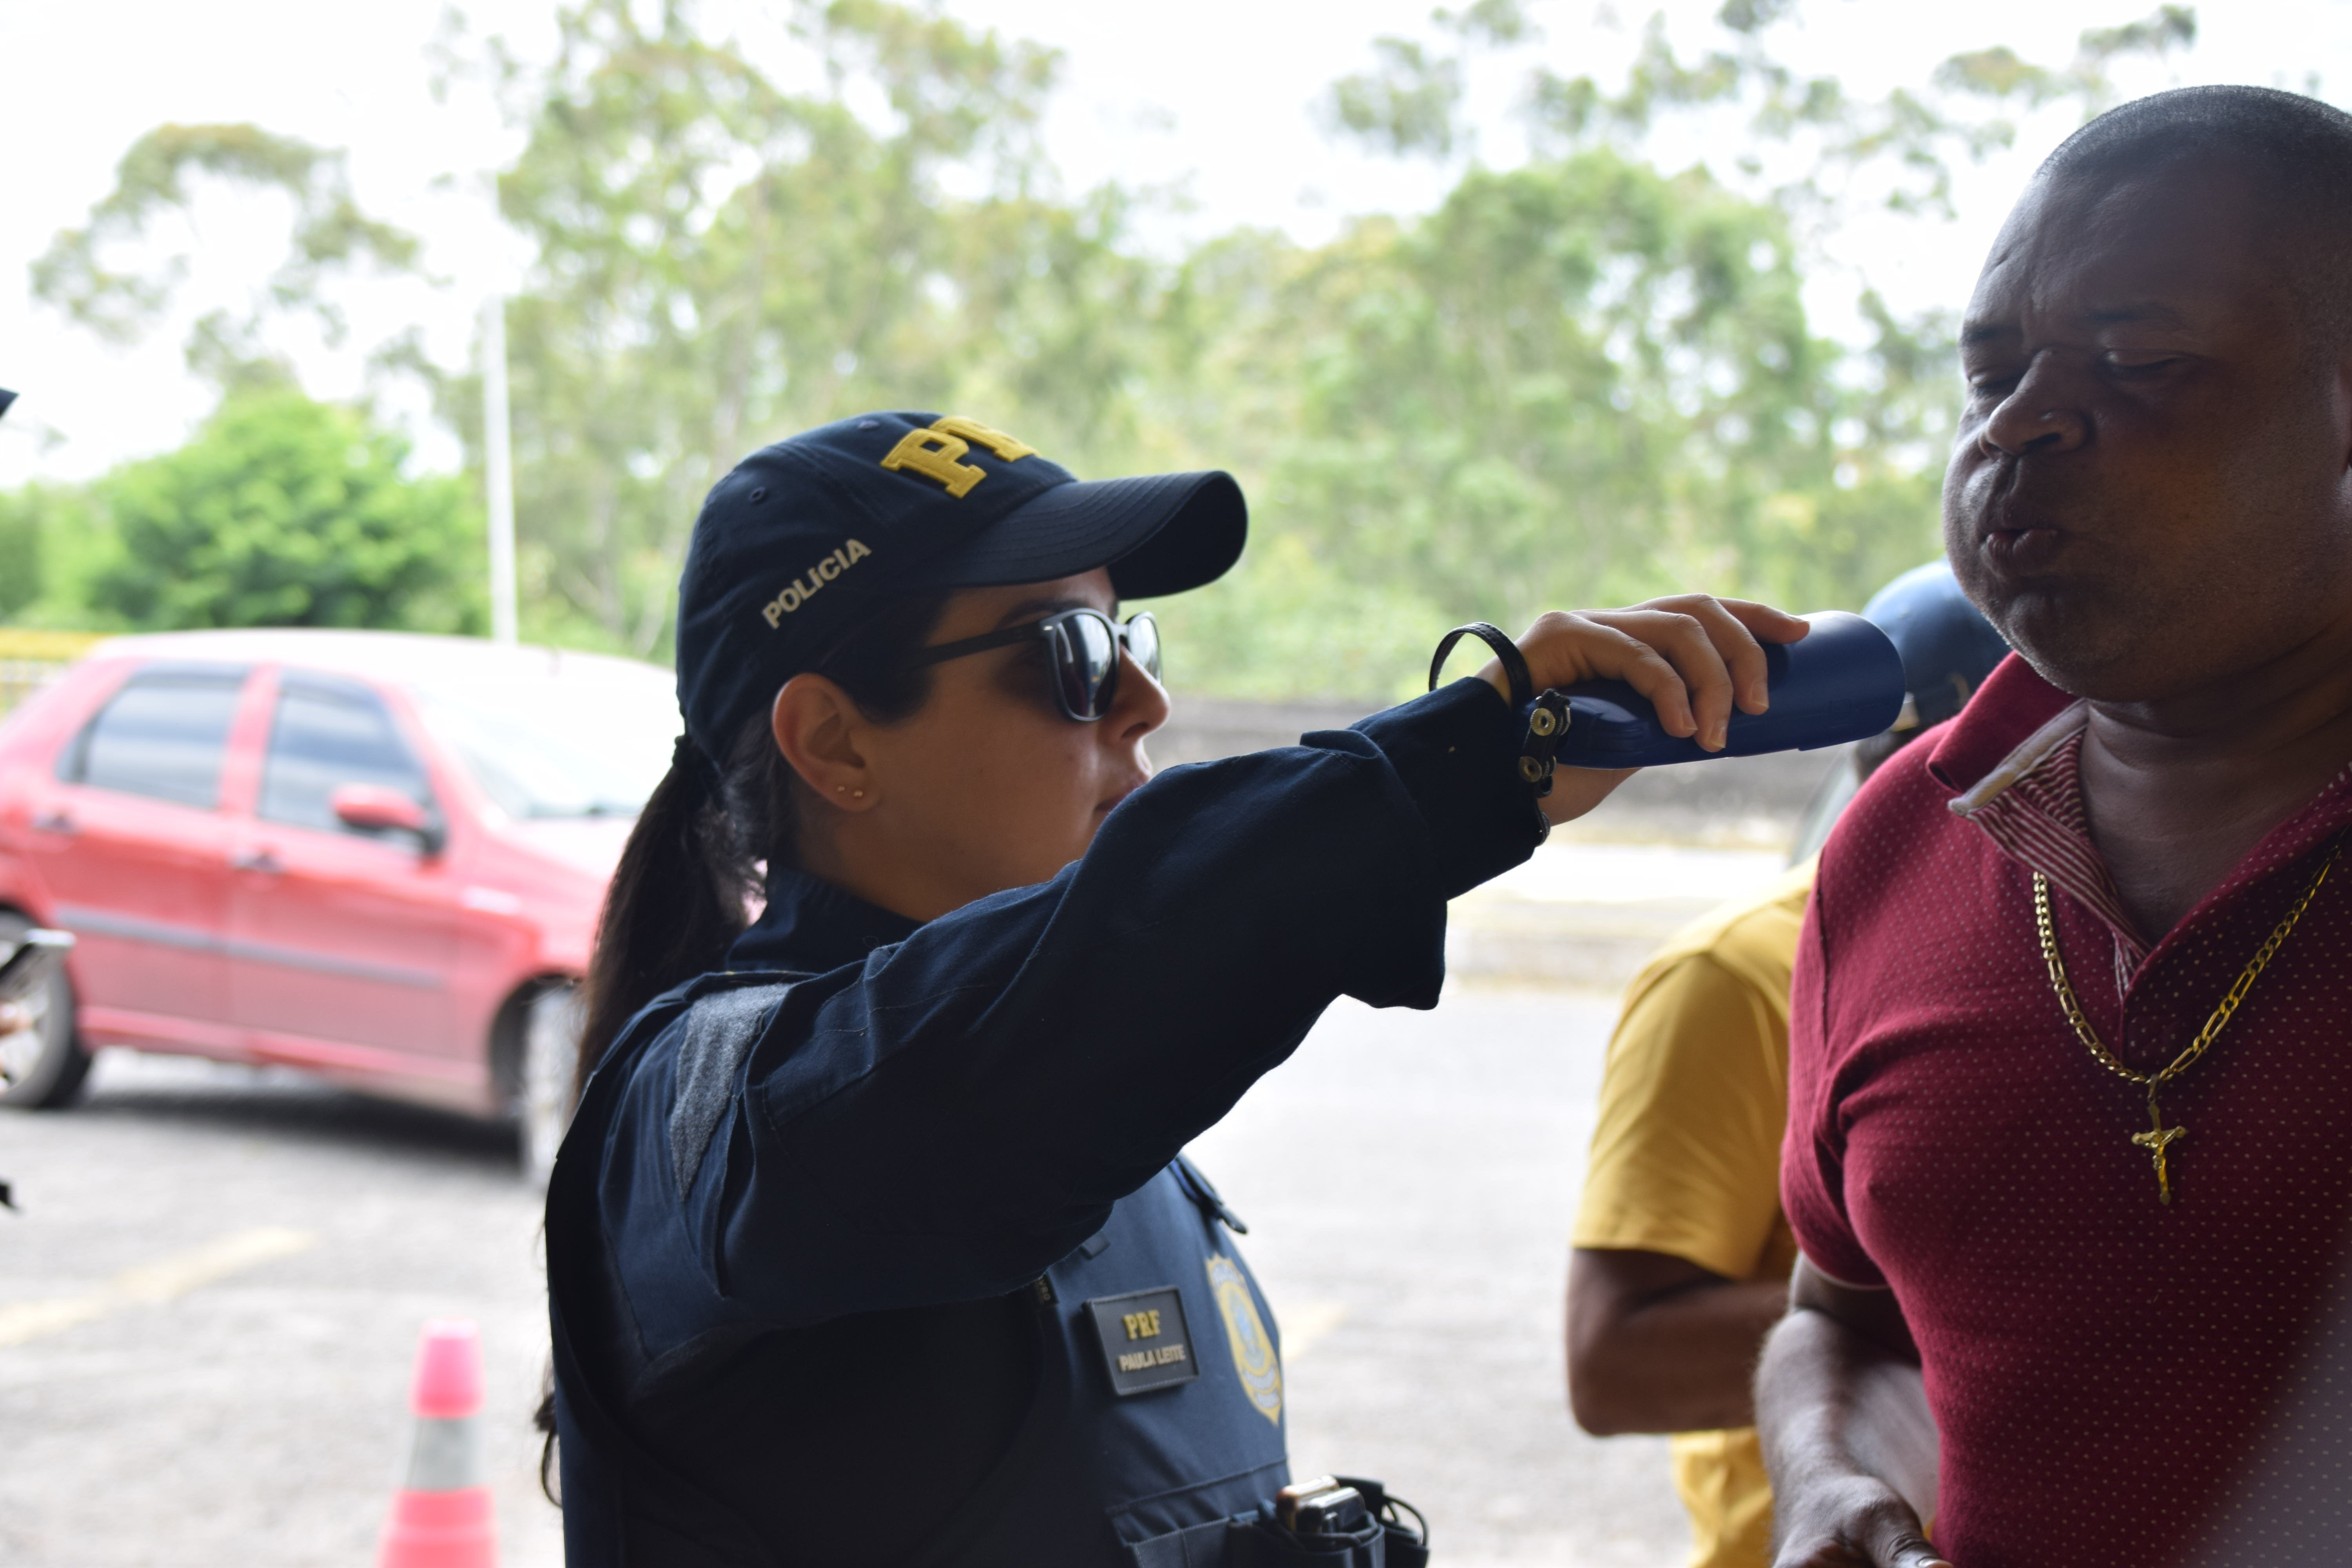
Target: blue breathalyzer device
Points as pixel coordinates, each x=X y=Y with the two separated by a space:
x=1843 y=682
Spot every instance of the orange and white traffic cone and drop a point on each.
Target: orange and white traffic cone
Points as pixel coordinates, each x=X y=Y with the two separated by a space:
x=442 y=1516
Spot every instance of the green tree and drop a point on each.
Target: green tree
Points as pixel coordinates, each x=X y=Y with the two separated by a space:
x=86 y=274
x=284 y=512
x=722 y=262
x=1585 y=378
x=55 y=541
x=22 y=578
x=1580 y=381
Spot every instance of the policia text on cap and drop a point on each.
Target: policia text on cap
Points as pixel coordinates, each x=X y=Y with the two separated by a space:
x=871 y=1242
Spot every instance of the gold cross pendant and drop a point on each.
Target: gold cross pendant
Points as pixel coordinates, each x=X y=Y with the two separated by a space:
x=2155 y=1140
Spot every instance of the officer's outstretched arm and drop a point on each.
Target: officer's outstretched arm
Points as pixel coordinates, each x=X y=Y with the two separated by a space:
x=944 y=1121
x=1693 y=656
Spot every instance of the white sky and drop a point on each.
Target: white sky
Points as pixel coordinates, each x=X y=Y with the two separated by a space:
x=1220 y=104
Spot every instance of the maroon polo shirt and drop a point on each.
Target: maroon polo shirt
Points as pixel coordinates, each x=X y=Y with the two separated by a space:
x=2110 y=1376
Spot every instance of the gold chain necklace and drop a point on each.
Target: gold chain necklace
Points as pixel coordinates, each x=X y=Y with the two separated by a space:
x=2159 y=1137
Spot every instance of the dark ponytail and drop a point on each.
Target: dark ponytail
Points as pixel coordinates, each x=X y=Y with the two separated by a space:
x=673 y=900
x=697 y=857
x=699 y=853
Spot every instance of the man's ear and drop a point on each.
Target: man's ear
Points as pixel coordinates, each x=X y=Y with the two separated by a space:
x=818 y=728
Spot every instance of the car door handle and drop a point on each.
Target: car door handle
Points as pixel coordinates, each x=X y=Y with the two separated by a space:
x=260 y=860
x=54 y=821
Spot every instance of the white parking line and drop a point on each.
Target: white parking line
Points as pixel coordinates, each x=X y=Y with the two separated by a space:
x=153 y=1284
x=1307 y=1323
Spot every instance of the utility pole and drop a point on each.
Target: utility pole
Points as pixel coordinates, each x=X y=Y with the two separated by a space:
x=498 y=469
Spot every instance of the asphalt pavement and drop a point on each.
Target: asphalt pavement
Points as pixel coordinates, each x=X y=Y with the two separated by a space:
x=210 y=1307
x=212 y=1290
x=1409 y=1180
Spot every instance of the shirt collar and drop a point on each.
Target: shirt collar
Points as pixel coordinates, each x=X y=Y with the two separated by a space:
x=2012 y=760
x=2032 y=751
x=812 y=926
x=1987 y=745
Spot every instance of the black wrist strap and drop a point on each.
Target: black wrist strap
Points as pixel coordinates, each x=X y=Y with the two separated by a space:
x=1548 y=718
x=1514 y=665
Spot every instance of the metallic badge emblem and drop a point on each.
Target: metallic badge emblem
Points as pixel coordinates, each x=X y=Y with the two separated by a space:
x=1253 y=1356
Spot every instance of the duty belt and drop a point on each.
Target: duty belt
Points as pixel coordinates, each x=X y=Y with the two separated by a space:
x=1300 y=1531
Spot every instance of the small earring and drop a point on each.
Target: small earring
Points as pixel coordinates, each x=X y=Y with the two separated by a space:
x=841 y=789
x=857 y=795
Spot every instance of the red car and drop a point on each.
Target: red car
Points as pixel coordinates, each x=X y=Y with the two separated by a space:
x=372 y=855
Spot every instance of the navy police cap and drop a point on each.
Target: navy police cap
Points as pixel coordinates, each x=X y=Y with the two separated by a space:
x=807 y=537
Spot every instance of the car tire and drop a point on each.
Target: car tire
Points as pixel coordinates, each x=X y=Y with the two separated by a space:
x=544 y=1088
x=41 y=1068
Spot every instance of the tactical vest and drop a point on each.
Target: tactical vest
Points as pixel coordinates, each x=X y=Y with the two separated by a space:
x=1154 y=1438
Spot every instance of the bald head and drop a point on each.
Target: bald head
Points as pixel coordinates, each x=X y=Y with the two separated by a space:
x=2292 y=154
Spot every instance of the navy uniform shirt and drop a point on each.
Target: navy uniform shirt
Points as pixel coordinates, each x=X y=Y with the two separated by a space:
x=810 y=1304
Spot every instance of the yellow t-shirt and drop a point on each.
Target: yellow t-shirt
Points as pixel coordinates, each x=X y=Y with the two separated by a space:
x=1686 y=1157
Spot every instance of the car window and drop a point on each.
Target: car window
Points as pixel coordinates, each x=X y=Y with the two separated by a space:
x=162 y=736
x=588 y=745
x=534 y=767
x=325 y=734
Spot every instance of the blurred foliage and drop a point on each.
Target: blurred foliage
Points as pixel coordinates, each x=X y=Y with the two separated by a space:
x=1407 y=104
x=54 y=540
x=22 y=578
x=119 y=301
x=1898 y=149
x=1999 y=73
x=1578 y=382
x=722 y=262
x=1581 y=380
x=1584 y=379
x=282 y=512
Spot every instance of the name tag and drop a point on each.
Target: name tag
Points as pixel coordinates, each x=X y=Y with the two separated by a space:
x=1145 y=1342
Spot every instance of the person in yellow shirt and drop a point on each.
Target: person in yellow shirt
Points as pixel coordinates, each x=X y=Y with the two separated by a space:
x=1682 y=1257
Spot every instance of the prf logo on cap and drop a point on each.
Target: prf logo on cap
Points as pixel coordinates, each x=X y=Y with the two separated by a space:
x=935 y=453
x=932 y=453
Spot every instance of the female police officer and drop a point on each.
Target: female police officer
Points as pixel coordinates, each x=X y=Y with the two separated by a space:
x=871 y=1242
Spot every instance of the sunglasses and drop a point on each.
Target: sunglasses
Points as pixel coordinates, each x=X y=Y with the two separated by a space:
x=1082 y=648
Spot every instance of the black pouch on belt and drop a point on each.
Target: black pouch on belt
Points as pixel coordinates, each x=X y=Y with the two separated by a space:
x=1404 y=1545
x=1340 y=1521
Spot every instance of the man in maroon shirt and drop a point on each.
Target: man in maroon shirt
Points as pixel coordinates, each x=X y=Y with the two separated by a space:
x=2104 y=1295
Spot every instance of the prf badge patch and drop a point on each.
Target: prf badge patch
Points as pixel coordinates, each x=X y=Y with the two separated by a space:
x=1145 y=1342
x=1254 y=1359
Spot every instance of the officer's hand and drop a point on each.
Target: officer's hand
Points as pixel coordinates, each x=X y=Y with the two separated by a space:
x=1692 y=657
x=14 y=1018
x=1853 y=1521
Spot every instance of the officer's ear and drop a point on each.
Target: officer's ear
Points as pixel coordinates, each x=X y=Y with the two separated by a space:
x=817 y=727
